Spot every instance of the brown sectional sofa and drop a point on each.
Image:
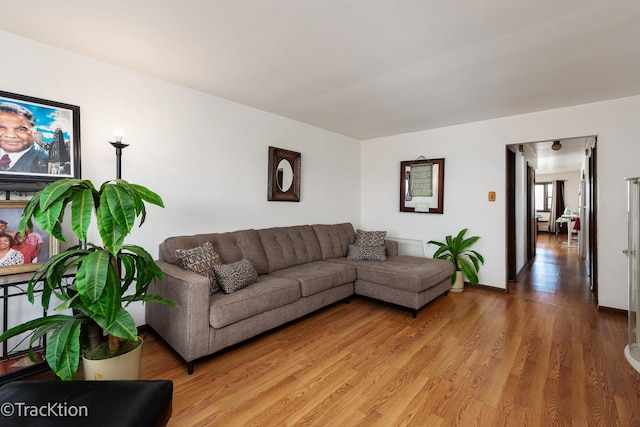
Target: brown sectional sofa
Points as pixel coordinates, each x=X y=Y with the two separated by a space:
x=301 y=269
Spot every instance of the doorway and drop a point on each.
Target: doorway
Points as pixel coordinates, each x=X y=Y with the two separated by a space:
x=533 y=162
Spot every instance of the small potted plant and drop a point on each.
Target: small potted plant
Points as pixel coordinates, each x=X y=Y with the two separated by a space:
x=465 y=261
x=105 y=278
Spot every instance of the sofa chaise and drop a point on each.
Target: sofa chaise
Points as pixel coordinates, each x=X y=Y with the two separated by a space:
x=277 y=275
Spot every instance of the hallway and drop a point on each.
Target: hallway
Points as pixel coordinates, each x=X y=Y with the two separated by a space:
x=557 y=276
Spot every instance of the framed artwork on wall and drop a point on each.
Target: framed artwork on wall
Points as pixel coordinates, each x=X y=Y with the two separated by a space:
x=36 y=246
x=284 y=175
x=422 y=186
x=39 y=139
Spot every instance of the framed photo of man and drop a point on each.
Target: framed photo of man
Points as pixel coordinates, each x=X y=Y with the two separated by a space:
x=22 y=252
x=39 y=139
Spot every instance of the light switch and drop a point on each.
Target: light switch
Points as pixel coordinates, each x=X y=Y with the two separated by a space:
x=492 y=196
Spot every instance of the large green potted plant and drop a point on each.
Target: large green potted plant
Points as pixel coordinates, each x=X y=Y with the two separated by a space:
x=465 y=261
x=105 y=278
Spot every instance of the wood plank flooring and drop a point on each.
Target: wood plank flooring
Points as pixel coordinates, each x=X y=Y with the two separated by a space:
x=541 y=355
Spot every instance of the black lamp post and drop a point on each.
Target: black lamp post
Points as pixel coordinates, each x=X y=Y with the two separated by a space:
x=119 y=146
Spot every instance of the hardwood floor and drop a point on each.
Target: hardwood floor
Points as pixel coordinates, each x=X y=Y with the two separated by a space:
x=541 y=355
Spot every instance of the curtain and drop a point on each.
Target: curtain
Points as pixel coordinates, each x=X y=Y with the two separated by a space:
x=557 y=206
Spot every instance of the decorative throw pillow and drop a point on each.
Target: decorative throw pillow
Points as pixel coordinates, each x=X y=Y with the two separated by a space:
x=201 y=260
x=235 y=276
x=370 y=238
x=367 y=253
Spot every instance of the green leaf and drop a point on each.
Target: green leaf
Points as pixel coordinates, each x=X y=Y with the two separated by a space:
x=109 y=230
x=28 y=213
x=67 y=303
x=149 y=298
x=56 y=191
x=480 y=258
x=49 y=321
x=468 y=271
x=63 y=350
x=81 y=212
x=148 y=195
x=131 y=191
x=110 y=300
x=92 y=275
x=121 y=206
x=50 y=219
x=122 y=327
x=128 y=271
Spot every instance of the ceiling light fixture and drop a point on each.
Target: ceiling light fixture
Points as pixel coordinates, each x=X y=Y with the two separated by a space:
x=556 y=145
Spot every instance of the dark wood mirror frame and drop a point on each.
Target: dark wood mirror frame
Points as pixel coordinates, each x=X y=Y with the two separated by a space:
x=275 y=193
x=433 y=182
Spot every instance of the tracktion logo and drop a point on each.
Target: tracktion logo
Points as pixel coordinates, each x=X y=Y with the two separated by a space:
x=51 y=409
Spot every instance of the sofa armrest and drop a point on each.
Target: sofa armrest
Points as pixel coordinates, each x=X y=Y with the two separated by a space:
x=392 y=247
x=185 y=327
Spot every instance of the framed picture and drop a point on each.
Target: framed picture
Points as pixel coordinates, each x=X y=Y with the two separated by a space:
x=39 y=139
x=283 y=182
x=36 y=247
x=422 y=186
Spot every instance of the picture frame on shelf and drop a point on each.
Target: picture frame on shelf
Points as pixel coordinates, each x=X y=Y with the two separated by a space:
x=39 y=139
x=11 y=213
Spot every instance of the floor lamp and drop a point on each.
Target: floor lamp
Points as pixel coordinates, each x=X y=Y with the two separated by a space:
x=119 y=145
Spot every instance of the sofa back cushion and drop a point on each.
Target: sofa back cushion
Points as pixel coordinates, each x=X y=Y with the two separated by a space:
x=290 y=246
x=334 y=239
x=231 y=247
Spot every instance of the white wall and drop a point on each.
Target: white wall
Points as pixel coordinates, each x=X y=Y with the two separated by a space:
x=475 y=164
x=207 y=157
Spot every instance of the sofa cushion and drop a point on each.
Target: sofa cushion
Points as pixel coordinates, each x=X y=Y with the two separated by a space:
x=367 y=253
x=369 y=238
x=289 y=246
x=407 y=273
x=235 y=276
x=201 y=260
x=231 y=247
x=269 y=293
x=315 y=277
x=334 y=239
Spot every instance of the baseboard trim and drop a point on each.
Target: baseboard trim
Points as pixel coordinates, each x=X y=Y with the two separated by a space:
x=493 y=289
x=611 y=310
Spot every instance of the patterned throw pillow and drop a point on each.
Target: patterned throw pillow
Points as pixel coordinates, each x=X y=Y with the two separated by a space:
x=367 y=253
x=201 y=260
x=370 y=238
x=235 y=276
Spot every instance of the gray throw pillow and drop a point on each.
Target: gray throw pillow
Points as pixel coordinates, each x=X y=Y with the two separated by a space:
x=235 y=276
x=367 y=253
x=370 y=238
x=201 y=260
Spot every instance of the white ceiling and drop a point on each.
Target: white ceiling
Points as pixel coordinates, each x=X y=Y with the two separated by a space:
x=568 y=159
x=363 y=68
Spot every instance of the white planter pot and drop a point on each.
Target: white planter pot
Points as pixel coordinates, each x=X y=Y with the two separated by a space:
x=123 y=367
x=458 y=286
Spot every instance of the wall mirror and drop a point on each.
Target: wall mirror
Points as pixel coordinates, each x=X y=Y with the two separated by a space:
x=284 y=175
x=422 y=185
